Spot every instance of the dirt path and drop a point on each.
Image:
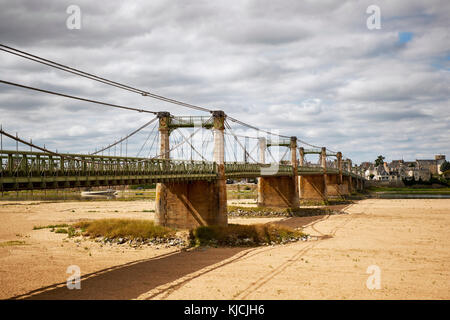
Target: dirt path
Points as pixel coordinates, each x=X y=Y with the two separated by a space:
x=407 y=239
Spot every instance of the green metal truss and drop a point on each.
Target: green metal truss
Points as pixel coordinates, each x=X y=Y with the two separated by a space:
x=24 y=170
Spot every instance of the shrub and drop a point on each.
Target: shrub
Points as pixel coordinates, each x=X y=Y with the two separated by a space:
x=242 y=235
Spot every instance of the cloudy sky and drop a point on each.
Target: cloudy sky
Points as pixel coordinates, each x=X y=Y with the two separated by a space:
x=312 y=69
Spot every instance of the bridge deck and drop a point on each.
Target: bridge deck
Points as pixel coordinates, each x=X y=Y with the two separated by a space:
x=24 y=170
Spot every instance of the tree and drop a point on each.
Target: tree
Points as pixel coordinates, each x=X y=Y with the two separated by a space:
x=379 y=160
x=445 y=166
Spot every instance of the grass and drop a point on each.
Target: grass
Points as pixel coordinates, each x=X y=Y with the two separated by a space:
x=253 y=209
x=328 y=202
x=51 y=226
x=410 y=190
x=242 y=235
x=123 y=228
x=289 y=212
x=12 y=243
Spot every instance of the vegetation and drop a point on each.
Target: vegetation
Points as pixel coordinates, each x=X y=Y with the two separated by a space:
x=12 y=243
x=410 y=190
x=328 y=202
x=51 y=226
x=243 y=235
x=445 y=166
x=434 y=182
x=379 y=160
x=142 y=186
x=123 y=228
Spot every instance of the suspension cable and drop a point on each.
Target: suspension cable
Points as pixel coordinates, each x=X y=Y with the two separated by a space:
x=76 y=98
x=127 y=136
x=91 y=76
x=229 y=128
x=186 y=139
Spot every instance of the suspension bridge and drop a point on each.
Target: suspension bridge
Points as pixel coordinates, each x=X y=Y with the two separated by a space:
x=190 y=158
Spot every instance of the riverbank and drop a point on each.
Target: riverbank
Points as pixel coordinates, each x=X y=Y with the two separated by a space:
x=409 y=190
x=407 y=239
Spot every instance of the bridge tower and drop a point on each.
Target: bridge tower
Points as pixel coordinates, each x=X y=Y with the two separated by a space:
x=348 y=181
x=314 y=186
x=189 y=204
x=279 y=191
x=334 y=179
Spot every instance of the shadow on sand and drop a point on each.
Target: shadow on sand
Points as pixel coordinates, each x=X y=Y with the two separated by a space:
x=131 y=280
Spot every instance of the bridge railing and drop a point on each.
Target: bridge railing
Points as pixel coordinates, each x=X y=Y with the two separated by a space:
x=248 y=170
x=332 y=170
x=310 y=170
x=26 y=169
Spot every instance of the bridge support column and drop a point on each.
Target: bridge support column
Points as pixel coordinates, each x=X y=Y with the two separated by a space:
x=343 y=187
x=279 y=192
x=314 y=186
x=161 y=207
x=190 y=204
x=219 y=159
x=333 y=186
x=336 y=186
x=349 y=177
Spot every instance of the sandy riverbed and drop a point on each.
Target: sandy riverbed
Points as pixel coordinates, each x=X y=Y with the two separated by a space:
x=407 y=239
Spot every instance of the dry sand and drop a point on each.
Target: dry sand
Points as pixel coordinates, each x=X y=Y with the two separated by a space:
x=407 y=239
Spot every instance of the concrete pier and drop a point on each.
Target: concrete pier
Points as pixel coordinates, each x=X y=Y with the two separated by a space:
x=314 y=187
x=190 y=204
x=279 y=192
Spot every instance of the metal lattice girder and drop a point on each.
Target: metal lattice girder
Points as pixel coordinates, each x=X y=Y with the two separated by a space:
x=253 y=170
x=312 y=151
x=22 y=170
x=191 y=122
x=306 y=170
x=331 y=154
x=280 y=142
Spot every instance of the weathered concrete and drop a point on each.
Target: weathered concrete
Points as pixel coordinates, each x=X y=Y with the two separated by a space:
x=161 y=212
x=313 y=187
x=190 y=204
x=186 y=205
x=333 y=186
x=277 y=192
x=219 y=159
x=347 y=181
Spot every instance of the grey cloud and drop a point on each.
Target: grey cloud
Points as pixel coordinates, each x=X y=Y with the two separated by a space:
x=307 y=68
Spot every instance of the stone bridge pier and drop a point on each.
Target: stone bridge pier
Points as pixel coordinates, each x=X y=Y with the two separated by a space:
x=190 y=204
x=279 y=191
x=334 y=181
x=347 y=182
x=314 y=186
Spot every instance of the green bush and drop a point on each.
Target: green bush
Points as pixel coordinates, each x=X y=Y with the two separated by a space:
x=242 y=235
